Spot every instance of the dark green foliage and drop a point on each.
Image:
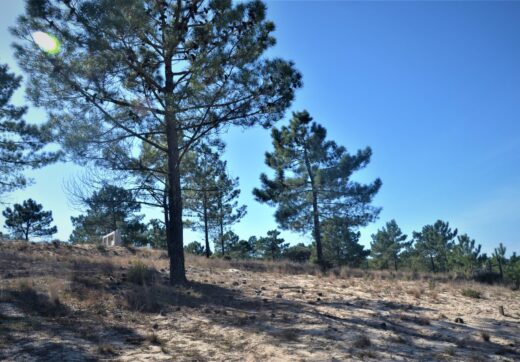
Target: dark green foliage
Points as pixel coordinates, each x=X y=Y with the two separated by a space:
x=386 y=245
x=271 y=246
x=299 y=253
x=312 y=180
x=194 y=248
x=156 y=234
x=513 y=272
x=29 y=219
x=341 y=244
x=210 y=194
x=499 y=255
x=158 y=74
x=21 y=144
x=109 y=209
x=239 y=249
x=434 y=243
x=464 y=256
x=202 y=167
x=471 y=293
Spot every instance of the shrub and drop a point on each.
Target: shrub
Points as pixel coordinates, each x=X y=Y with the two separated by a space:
x=487 y=277
x=298 y=253
x=471 y=293
x=513 y=274
x=140 y=273
x=362 y=342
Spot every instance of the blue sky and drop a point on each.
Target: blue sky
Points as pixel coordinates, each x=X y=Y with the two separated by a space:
x=432 y=87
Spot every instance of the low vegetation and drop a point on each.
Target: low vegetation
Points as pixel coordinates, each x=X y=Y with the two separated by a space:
x=117 y=304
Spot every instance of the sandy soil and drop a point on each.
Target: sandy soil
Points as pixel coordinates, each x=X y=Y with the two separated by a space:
x=59 y=302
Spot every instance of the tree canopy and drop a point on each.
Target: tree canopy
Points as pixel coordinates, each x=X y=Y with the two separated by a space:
x=21 y=144
x=312 y=180
x=158 y=74
x=386 y=245
x=29 y=219
x=109 y=209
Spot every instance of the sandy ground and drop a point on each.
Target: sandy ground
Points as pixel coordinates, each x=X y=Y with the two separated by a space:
x=76 y=304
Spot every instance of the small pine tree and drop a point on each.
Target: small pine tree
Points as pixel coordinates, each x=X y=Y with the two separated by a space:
x=341 y=244
x=386 y=245
x=271 y=246
x=29 y=219
x=500 y=256
x=434 y=243
x=465 y=255
x=108 y=209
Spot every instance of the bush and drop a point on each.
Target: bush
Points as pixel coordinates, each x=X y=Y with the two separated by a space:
x=487 y=277
x=140 y=273
x=298 y=253
x=471 y=293
x=194 y=248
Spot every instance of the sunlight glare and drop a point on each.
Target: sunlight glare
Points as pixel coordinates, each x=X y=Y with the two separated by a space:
x=46 y=42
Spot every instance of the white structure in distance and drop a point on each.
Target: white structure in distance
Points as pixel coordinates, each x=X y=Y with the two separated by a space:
x=112 y=239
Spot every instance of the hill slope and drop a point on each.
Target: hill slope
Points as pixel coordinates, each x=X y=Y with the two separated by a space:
x=62 y=302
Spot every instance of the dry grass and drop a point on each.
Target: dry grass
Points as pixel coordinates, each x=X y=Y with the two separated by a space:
x=116 y=303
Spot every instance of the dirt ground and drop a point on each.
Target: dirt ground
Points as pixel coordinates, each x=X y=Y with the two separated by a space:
x=81 y=303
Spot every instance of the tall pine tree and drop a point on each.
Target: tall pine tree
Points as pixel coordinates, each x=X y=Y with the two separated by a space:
x=162 y=73
x=312 y=180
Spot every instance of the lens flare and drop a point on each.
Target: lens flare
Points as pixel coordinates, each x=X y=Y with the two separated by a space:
x=46 y=42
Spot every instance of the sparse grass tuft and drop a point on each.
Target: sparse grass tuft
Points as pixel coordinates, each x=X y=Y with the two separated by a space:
x=152 y=338
x=139 y=273
x=106 y=349
x=362 y=342
x=471 y=293
x=485 y=336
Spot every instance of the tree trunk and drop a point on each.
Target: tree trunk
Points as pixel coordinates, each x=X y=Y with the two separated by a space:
x=315 y=213
x=222 y=235
x=166 y=219
x=206 y=238
x=317 y=231
x=500 y=268
x=175 y=237
x=395 y=264
x=433 y=263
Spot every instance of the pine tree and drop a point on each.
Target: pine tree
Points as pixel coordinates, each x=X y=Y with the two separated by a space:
x=341 y=244
x=29 y=219
x=210 y=194
x=386 y=245
x=109 y=209
x=434 y=243
x=227 y=210
x=465 y=255
x=312 y=180
x=162 y=73
x=500 y=256
x=202 y=168
x=271 y=246
x=21 y=144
